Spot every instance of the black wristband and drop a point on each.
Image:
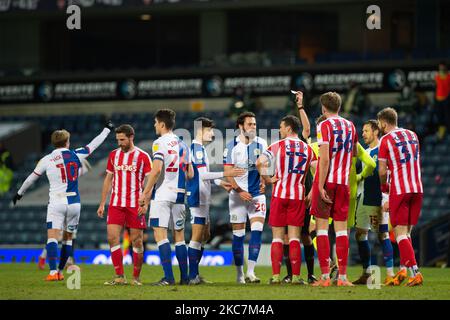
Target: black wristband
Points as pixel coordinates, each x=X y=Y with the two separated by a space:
x=300 y=108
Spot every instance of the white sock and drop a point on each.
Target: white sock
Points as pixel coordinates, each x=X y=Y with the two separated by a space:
x=43 y=254
x=53 y=272
x=343 y=277
x=325 y=276
x=251 y=267
x=240 y=271
x=390 y=271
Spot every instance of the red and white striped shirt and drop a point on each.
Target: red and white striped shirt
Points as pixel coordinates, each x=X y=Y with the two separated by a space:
x=291 y=158
x=342 y=137
x=400 y=148
x=129 y=170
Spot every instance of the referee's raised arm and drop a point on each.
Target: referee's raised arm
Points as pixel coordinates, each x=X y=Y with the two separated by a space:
x=306 y=132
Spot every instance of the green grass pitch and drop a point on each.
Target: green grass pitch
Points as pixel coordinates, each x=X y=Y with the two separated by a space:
x=25 y=281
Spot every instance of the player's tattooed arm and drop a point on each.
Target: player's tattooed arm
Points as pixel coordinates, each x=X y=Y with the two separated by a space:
x=152 y=178
x=244 y=195
x=105 y=191
x=229 y=178
x=262 y=164
x=223 y=184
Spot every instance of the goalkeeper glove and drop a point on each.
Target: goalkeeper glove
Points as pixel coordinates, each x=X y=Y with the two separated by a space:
x=16 y=198
x=109 y=125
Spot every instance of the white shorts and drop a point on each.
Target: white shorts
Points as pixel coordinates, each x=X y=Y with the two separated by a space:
x=166 y=214
x=63 y=216
x=367 y=217
x=200 y=214
x=239 y=209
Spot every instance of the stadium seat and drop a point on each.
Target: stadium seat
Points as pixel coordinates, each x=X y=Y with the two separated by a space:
x=39 y=238
x=22 y=238
x=34 y=226
x=428 y=170
x=433 y=213
x=444 y=170
x=427 y=180
x=5 y=227
x=88 y=226
x=20 y=226
x=441 y=148
x=8 y=238
x=427 y=202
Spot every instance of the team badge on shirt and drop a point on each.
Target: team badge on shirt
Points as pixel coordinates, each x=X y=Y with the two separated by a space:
x=319 y=135
x=199 y=154
x=155 y=147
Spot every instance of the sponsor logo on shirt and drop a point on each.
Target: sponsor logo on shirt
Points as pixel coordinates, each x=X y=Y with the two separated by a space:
x=125 y=167
x=319 y=135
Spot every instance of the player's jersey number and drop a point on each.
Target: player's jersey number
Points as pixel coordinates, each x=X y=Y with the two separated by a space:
x=298 y=168
x=182 y=163
x=260 y=207
x=66 y=171
x=402 y=146
x=346 y=144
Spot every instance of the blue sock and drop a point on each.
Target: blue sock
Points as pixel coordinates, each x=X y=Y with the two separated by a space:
x=254 y=245
x=388 y=253
x=364 y=253
x=52 y=253
x=66 y=252
x=386 y=245
x=165 y=254
x=182 y=257
x=238 y=250
x=195 y=256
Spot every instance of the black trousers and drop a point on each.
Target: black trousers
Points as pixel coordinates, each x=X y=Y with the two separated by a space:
x=443 y=112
